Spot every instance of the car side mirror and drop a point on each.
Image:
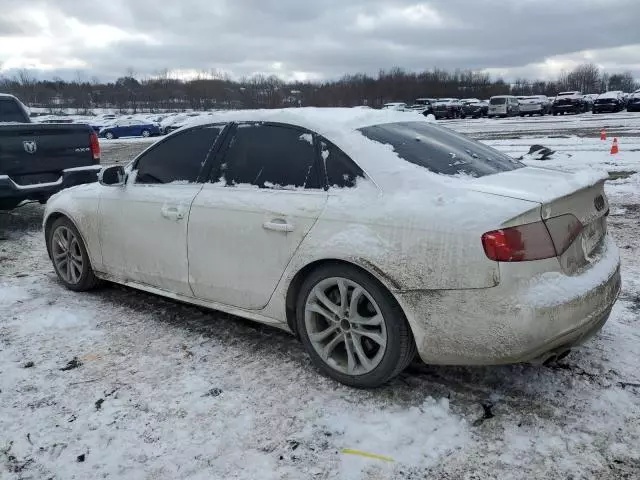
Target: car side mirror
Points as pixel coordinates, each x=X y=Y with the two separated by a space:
x=113 y=176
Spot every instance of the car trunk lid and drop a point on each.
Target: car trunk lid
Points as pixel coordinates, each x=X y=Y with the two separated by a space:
x=558 y=193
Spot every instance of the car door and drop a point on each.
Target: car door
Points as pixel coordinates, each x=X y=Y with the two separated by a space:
x=247 y=223
x=143 y=225
x=122 y=129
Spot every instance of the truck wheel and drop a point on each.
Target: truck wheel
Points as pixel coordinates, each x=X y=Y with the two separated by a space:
x=69 y=256
x=352 y=328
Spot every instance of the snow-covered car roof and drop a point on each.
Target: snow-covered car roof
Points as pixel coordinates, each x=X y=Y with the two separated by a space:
x=320 y=120
x=610 y=95
x=570 y=94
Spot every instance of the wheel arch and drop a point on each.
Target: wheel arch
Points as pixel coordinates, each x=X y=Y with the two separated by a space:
x=294 y=285
x=51 y=219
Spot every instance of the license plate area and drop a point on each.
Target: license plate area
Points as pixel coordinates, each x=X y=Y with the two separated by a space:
x=592 y=235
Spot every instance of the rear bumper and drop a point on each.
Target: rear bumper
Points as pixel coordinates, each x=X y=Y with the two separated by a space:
x=514 y=321
x=68 y=178
x=536 y=109
x=566 y=108
x=607 y=108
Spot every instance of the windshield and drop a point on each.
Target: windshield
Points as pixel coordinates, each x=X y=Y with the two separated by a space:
x=498 y=101
x=440 y=150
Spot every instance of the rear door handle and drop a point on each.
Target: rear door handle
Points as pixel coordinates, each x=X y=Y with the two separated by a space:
x=278 y=225
x=172 y=212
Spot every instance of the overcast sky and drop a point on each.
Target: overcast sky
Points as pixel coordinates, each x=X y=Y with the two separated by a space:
x=319 y=39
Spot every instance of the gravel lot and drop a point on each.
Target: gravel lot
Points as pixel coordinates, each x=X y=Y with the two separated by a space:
x=122 y=384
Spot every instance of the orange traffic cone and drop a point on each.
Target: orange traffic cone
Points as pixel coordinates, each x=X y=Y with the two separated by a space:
x=603 y=134
x=614 y=147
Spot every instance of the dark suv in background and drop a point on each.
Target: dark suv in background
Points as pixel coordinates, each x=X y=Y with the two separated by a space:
x=633 y=102
x=569 y=102
x=611 y=102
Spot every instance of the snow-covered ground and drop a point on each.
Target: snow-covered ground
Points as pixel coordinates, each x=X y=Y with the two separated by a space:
x=121 y=384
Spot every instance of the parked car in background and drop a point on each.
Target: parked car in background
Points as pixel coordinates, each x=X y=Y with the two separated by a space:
x=633 y=103
x=38 y=160
x=590 y=98
x=534 y=105
x=569 y=102
x=423 y=105
x=503 y=106
x=609 y=102
x=174 y=122
x=399 y=106
x=472 y=107
x=130 y=128
x=447 y=108
x=255 y=214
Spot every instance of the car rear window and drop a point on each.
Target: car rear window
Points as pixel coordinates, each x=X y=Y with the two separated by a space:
x=440 y=150
x=11 y=112
x=498 y=101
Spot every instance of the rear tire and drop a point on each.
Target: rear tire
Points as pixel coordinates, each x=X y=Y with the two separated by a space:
x=367 y=341
x=69 y=256
x=109 y=136
x=146 y=133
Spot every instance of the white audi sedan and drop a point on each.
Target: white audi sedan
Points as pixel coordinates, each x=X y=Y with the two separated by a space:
x=370 y=235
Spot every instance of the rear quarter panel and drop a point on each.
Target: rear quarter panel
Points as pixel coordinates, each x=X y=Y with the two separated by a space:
x=409 y=240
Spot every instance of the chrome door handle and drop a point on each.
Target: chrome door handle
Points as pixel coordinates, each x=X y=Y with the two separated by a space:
x=278 y=225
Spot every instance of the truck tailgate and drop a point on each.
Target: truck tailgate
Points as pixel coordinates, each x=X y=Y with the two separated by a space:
x=37 y=153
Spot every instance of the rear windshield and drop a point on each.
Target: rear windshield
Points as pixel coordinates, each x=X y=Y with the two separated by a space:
x=498 y=101
x=11 y=112
x=440 y=150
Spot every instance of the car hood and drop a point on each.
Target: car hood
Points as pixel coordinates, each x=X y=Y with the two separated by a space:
x=535 y=184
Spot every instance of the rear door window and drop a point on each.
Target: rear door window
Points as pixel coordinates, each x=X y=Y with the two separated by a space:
x=270 y=156
x=10 y=111
x=440 y=150
x=341 y=171
x=178 y=159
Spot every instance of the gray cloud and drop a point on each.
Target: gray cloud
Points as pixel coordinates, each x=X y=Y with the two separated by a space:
x=327 y=38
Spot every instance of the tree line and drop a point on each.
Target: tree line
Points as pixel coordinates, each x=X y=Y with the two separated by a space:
x=210 y=90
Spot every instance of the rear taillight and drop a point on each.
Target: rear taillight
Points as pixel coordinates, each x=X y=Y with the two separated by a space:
x=519 y=244
x=95 y=147
x=533 y=241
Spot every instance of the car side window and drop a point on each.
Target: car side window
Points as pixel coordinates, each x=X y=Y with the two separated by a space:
x=179 y=158
x=277 y=157
x=340 y=170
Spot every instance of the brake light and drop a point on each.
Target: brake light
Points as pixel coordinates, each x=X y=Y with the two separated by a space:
x=95 y=147
x=519 y=244
x=533 y=241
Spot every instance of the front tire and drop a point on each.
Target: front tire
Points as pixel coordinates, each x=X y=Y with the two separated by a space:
x=109 y=136
x=146 y=133
x=69 y=256
x=352 y=328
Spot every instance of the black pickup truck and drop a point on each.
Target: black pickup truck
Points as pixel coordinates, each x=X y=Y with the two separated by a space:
x=38 y=160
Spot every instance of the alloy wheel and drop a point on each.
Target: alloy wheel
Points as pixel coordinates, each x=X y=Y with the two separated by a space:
x=67 y=255
x=345 y=326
